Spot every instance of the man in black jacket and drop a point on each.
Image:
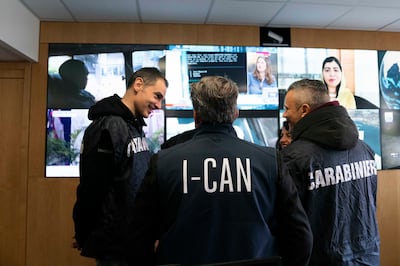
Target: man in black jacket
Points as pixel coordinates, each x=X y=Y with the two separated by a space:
x=114 y=159
x=336 y=176
x=217 y=198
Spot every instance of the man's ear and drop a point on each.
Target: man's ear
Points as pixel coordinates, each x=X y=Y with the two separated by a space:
x=138 y=84
x=197 y=119
x=305 y=109
x=236 y=113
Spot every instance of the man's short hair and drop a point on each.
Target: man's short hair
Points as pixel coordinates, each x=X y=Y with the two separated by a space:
x=310 y=91
x=150 y=75
x=214 y=99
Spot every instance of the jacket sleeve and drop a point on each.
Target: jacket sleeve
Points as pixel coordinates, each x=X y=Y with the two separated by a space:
x=96 y=170
x=294 y=232
x=146 y=219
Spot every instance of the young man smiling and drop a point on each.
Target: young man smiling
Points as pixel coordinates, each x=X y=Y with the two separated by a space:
x=113 y=162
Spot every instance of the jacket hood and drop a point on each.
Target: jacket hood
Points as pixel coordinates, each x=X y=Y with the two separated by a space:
x=329 y=126
x=112 y=106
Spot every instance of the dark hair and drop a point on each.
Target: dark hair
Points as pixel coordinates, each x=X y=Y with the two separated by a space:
x=150 y=75
x=214 y=99
x=72 y=68
x=285 y=125
x=313 y=92
x=328 y=60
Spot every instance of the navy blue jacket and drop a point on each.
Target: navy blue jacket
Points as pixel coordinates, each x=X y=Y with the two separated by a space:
x=114 y=159
x=218 y=198
x=336 y=176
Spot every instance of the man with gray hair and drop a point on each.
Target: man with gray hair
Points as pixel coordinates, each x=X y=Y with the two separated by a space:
x=335 y=174
x=216 y=198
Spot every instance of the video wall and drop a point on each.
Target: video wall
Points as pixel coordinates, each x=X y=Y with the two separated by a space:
x=81 y=74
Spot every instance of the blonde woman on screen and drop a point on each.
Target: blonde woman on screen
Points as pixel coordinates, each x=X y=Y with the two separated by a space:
x=333 y=77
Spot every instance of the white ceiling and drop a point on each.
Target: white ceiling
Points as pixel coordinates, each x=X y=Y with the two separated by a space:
x=371 y=15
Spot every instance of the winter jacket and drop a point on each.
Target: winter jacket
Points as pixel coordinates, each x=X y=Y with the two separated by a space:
x=216 y=198
x=336 y=176
x=113 y=161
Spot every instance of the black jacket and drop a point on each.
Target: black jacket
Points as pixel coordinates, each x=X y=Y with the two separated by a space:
x=217 y=198
x=114 y=159
x=180 y=138
x=336 y=176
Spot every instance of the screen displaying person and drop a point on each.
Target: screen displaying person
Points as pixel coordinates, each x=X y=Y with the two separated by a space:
x=261 y=77
x=69 y=92
x=334 y=79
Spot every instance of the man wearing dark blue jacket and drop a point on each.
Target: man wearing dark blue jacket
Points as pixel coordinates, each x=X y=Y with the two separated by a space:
x=336 y=176
x=114 y=159
x=217 y=198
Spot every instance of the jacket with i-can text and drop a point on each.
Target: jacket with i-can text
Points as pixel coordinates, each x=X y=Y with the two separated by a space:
x=217 y=198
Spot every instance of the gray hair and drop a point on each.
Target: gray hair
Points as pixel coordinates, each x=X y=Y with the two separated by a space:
x=310 y=91
x=214 y=99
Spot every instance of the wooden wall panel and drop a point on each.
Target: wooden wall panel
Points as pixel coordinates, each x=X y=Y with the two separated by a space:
x=388 y=211
x=37 y=136
x=50 y=227
x=67 y=32
x=14 y=119
x=49 y=222
x=319 y=38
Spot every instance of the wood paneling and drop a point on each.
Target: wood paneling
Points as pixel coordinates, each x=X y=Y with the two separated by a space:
x=14 y=119
x=37 y=136
x=318 y=38
x=50 y=227
x=66 y=32
x=388 y=211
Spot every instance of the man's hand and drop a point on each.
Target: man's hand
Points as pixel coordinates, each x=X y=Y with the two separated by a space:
x=75 y=244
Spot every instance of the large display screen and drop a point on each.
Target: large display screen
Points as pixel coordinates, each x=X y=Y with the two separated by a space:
x=81 y=74
x=359 y=71
x=254 y=69
x=389 y=81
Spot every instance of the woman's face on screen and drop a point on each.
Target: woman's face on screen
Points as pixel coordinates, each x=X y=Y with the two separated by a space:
x=332 y=74
x=261 y=65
